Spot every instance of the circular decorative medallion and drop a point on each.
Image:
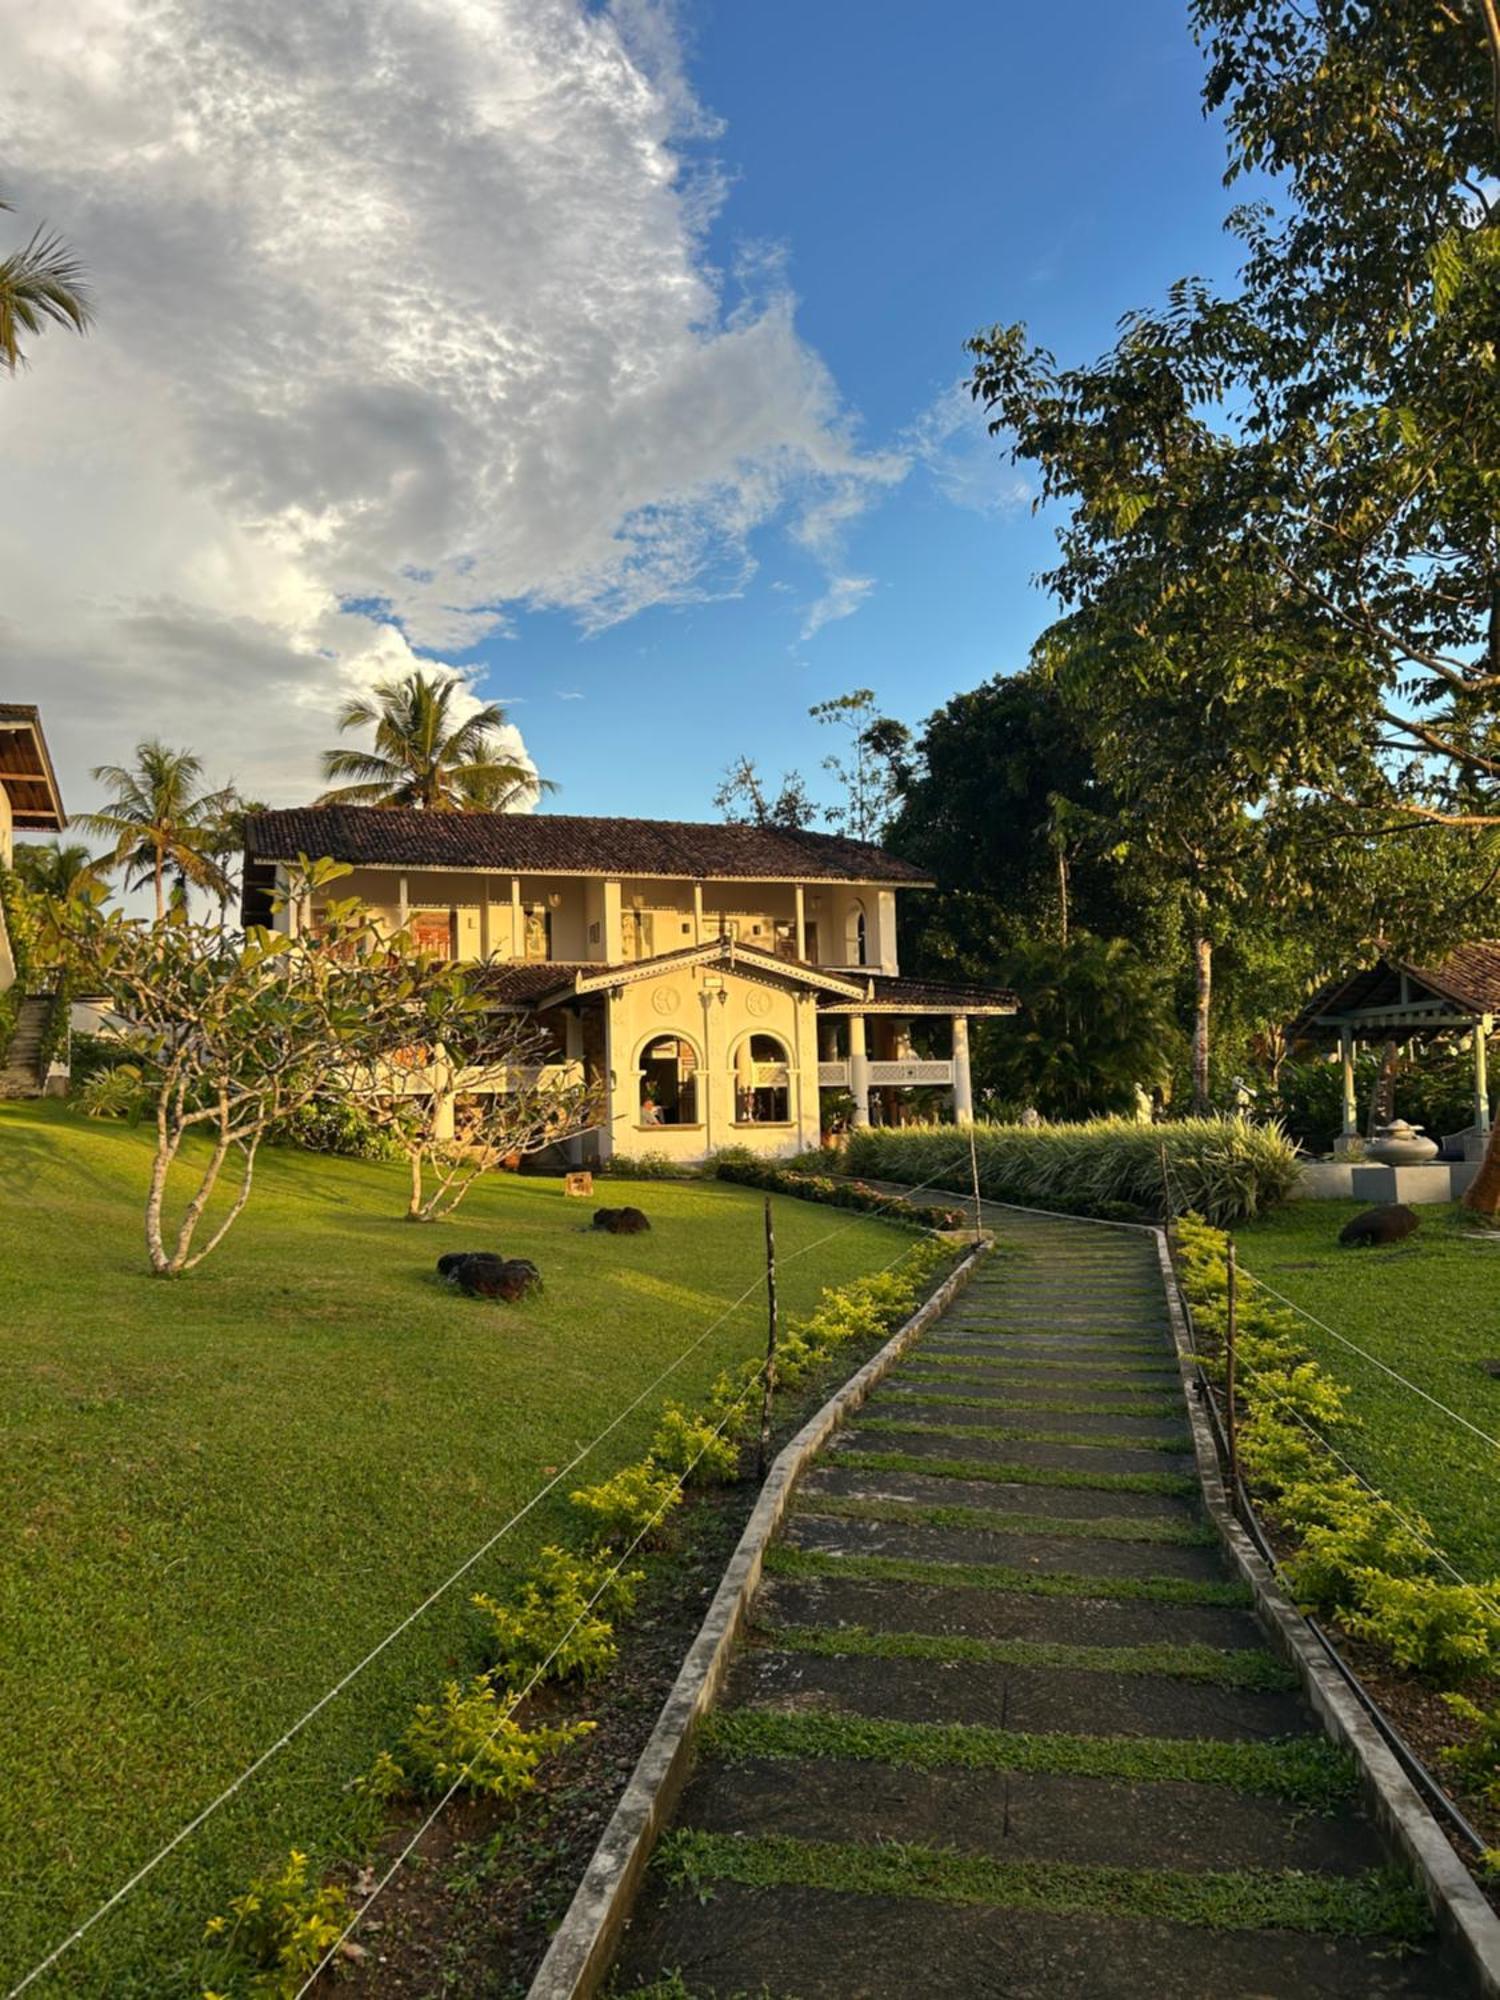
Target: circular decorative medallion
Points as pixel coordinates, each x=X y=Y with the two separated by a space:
x=666 y=1000
x=758 y=1002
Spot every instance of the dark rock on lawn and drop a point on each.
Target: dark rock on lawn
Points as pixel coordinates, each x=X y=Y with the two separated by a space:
x=480 y=1274
x=621 y=1221
x=1389 y=1223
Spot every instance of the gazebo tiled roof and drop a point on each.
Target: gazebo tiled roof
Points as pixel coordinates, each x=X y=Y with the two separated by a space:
x=1460 y=988
x=571 y=844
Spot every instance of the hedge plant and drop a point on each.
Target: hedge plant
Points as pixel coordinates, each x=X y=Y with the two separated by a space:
x=1225 y=1169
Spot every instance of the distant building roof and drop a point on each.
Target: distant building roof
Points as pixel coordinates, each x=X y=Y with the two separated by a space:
x=1464 y=984
x=26 y=771
x=569 y=844
x=890 y=994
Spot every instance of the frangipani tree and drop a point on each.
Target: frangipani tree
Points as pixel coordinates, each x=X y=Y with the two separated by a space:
x=232 y=1036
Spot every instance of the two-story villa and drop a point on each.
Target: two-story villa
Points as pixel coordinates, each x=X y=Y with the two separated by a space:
x=718 y=978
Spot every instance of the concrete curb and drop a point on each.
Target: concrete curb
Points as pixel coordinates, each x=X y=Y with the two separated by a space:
x=1458 y=1906
x=580 y=1954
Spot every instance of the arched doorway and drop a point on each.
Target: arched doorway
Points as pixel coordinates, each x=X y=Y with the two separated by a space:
x=762 y=1081
x=668 y=1069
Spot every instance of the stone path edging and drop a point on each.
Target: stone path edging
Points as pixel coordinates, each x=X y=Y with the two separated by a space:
x=1458 y=1905
x=580 y=1954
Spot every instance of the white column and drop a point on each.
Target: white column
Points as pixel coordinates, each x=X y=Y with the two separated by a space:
x=1346 y=1066
x=517 y=922
x=614 y=928
x=859 y=1070
x=1482 y=1030
x=403 y=904
x=801 y=924
x=963 y=1085
x=697 y=913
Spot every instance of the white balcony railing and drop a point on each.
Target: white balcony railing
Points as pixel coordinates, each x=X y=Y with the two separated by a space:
x=910 y=1072
x=833 y=1075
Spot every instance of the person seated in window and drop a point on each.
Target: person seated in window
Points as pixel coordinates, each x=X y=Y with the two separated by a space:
x=651 y=1112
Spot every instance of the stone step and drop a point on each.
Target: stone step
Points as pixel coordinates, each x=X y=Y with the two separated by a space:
x=917 y=1439
x=994 y=1614
x=829 y=1478
x=1036 y=1700
x=820 y=1945
x=919 y=1541
x=1027 y=1817
x=973 y=1406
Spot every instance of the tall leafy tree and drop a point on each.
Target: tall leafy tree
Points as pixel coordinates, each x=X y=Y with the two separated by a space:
x=41 y=284
x=746 y=798
x=425 y=754
x=159 y=821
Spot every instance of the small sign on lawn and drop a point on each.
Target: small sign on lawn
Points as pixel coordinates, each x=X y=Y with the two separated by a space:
x=581 y=1185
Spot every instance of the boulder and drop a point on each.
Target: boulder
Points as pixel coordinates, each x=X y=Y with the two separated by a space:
x=1392 y=1222
x=481 y=1274
x=620 y=1221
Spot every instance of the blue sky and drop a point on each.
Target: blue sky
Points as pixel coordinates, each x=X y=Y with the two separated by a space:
x=605 y=349
x=924 y=171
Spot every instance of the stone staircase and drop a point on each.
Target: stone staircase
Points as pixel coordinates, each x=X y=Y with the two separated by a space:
x=21 y=1074
x=1005 y=1727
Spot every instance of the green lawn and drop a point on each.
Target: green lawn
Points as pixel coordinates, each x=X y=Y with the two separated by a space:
x=219 y=1492
x=1429 y=1308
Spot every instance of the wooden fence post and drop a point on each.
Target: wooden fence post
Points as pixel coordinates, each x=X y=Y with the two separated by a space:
x=974 y=1174
x=768 y=1387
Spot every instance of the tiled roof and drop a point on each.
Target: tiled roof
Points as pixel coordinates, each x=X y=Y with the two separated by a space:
x=1468 y=978
x=917 y=996
x=567 y=844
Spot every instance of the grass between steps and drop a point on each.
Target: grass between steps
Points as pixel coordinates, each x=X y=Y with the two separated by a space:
x=1247 y=1668
x=1144 y=1406
x=1026 y=1434
x=1303 y=1771
x=1000 y=1521
x=981 y=1342
x=1376 y=1904
x=784 y=1561
x=1171 y=1485
x=1119 y=1395
x=927 y=1359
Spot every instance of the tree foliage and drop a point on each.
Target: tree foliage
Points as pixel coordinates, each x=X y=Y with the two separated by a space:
x=161 y=824
x=41 y=285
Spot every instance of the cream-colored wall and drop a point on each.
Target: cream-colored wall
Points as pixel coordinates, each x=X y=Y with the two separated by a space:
x=7 y=829
x=591 y=920
x=684 y=1002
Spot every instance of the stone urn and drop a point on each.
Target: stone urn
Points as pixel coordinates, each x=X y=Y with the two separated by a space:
x=1401 y=1145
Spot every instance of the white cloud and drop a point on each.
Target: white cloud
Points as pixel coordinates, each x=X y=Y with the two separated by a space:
x=404 y=320
x=967 y=466
x=843 y=597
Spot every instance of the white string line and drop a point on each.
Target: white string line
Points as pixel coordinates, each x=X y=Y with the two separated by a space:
x=1355 y=1348
x=230 y=1790
x=1353 y=1470
x=427 y=1824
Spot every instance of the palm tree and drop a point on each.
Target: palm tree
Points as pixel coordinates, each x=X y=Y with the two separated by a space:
x=159 y=820
x=423 y=756
x=41 y=281
x=61 y=870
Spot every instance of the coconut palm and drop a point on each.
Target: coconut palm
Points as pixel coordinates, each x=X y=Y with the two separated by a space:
x=55 y=868
x=160 y=821
x=41 y=281
x=424 y=756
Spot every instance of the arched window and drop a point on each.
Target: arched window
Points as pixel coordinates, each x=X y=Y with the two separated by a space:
x=855 y=935
x=669 y=1082
x=762 y=1082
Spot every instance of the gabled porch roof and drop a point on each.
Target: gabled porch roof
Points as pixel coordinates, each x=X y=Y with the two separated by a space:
x=26 y=771
x=1394 y=998
x=725 y=951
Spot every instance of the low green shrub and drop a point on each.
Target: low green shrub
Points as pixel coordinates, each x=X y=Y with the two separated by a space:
x=1224 y=1168
x=646 y=1167
x=277 y=1933
x=633 y=1504
x=93 y=1053
x=792 y=1179
x=343 y=1128
x=114 y=1093
x=467 y=1739
x=1443 y=1630
x=558 y=1620
x=693 y=1447
x=1476 y=1761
